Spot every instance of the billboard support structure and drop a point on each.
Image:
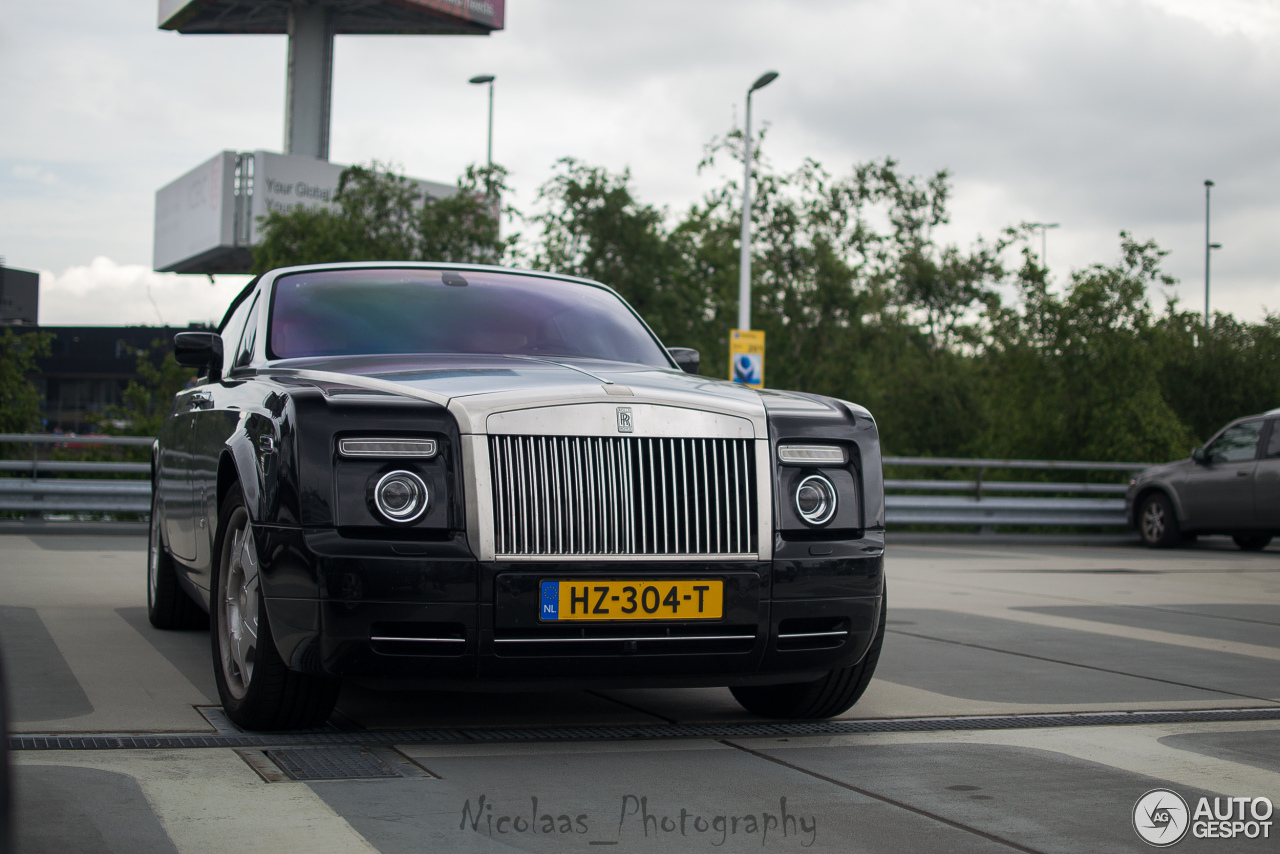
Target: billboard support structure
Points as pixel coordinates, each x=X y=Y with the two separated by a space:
x=207 y=220
x=309 y=87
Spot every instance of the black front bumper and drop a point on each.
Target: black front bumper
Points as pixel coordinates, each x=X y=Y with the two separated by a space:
x=417 y=615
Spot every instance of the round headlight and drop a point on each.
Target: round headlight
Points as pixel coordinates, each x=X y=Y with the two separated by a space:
x=816 y=500
x=400 y=496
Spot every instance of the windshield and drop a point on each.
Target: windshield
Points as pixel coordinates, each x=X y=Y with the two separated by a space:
x=381 y=311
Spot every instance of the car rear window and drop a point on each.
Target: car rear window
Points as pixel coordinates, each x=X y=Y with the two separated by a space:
x=384 y=311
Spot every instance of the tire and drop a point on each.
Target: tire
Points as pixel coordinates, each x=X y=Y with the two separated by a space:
x=168 y=605
x=1157 y=523
x=257 y=689
x=1252 y=542
x=823 y=698
x=6 y=778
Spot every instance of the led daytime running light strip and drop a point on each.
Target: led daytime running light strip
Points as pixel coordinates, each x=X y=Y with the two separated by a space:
x=387 y=447
x=811 y=454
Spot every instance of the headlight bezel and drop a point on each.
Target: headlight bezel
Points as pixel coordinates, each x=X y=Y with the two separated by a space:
x=415 y=510
x=827 y=495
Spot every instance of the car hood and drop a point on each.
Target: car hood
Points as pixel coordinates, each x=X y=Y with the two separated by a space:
x=1165 y=470
x=476 y=387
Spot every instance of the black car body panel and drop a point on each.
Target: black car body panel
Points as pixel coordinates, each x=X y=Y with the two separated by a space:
x=432 y=602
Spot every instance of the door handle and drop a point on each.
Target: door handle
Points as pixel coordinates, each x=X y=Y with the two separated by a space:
x=1242 y=473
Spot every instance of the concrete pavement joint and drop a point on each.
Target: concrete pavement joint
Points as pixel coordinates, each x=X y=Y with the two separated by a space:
x=1083 y=666
x=169 y=741
x=893 y=802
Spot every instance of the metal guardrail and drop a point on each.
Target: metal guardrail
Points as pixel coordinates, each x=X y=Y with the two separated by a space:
x=66 y=439
x=981 y=509
x=982 y=503
x=37 y=495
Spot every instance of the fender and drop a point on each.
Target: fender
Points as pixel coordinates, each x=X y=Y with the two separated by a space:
x=239 y=462
x=1162 y=487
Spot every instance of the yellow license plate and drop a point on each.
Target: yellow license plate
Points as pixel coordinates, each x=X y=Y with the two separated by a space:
x=696 y=599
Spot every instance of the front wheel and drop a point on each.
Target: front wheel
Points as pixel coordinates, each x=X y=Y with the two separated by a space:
x=1157 y=524
x=823 y=698
x=1252 y=542
x=257 y=689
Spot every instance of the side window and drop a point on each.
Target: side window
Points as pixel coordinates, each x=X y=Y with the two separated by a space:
x=1238 y=444
x=231 y=335
x=244 y=353
x=1273 y=444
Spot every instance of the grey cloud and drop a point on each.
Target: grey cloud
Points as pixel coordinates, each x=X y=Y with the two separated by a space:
x=1099 y=115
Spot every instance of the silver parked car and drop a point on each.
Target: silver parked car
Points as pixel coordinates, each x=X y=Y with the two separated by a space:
x=1229 y=486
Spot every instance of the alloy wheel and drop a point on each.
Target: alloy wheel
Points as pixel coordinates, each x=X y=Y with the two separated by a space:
x=1153 y=523
x=238 y=606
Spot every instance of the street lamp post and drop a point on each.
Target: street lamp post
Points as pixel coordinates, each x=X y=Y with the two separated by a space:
x=1208 y=248
x=744 y=271
x=1044 y=240
x=480 y=79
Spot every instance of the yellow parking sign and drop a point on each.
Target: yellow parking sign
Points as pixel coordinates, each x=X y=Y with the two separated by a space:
x=746 y=357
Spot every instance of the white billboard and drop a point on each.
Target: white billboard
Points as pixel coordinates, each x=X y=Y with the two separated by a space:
x=193 y=216
x=207 y=220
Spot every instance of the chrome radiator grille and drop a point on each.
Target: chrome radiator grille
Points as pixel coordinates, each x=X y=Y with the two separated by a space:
x=578 y=495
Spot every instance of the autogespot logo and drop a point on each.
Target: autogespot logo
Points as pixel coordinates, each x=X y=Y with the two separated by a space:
x=1160 y=817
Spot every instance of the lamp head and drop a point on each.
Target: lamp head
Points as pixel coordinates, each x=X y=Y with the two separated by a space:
x=764 y=80
x=481 y=78
x=1208 y=183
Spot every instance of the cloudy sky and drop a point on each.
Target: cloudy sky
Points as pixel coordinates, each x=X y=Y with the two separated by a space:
x=1101 y=115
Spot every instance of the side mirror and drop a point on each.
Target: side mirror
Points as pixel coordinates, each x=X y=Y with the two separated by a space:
x=687 y=358
x=201 y=350
x=1198 y=456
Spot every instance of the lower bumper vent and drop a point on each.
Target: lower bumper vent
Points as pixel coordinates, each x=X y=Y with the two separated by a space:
x=812 y=633
x=626 y=640
x=409 y=638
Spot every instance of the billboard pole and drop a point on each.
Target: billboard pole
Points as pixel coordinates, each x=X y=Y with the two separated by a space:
x=310 y=81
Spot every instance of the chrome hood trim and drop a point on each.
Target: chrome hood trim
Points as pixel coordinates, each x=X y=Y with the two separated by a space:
x=475 y=388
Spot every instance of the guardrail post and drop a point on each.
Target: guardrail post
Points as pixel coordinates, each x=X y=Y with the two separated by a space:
x=35 y=515
x=982 y=529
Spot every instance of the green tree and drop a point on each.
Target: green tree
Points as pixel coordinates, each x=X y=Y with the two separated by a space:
x=382 y=216
x=1076 y=376
x=148 y=399
x=591 y=225
x=19 y=400
x=1213 y=374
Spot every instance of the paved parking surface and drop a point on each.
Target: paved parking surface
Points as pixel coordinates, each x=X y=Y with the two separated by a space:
x=977 y=627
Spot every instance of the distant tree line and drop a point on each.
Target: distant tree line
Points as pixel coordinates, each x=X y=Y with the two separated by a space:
x=857 y=295
x=859 y=300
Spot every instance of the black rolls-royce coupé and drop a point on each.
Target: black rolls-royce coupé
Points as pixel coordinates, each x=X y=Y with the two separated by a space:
x=445 y=476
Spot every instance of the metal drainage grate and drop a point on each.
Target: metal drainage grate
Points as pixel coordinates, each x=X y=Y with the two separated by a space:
x=331 y=763
x=762 y=729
